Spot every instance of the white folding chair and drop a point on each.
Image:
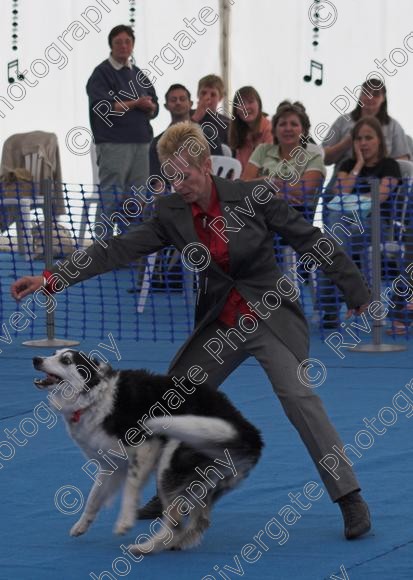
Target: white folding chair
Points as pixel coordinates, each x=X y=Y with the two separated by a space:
x=406 y=167
x=39 y=153
x=146 y=282
x=226 y=167
x=226 y=150
x=394 y=245
x=23 y=224
x=25 y=205
x=89 y=200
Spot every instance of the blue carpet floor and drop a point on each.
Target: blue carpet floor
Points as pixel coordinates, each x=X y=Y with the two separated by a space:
x=35 y=544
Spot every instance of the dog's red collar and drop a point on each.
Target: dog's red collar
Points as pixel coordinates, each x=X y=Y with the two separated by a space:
x=75 y=417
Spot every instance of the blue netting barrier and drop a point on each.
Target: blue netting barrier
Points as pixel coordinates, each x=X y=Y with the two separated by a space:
x=153 y=298
x=347 y=218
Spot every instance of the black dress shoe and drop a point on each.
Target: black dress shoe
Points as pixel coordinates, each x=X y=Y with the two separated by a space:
x=356 y=515
x=150 y=511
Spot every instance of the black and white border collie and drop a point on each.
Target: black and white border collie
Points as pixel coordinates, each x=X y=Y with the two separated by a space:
x=116 y=413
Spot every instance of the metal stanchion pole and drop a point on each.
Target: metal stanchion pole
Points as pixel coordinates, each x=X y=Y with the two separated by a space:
x=50 y=341
x=376 y=345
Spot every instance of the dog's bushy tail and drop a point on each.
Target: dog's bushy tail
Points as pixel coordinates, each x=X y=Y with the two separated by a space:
x=211 y=434
x=194 y=430
x=235 y=445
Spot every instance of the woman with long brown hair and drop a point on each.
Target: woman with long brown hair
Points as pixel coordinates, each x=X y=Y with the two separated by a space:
x=250 y=126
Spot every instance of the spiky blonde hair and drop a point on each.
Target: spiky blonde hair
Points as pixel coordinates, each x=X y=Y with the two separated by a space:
x=184 y=137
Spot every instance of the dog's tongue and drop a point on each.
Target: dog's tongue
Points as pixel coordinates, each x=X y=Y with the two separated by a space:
x=46 y=382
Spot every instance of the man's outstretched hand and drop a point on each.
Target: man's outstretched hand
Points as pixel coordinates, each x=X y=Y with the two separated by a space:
x=26 y=285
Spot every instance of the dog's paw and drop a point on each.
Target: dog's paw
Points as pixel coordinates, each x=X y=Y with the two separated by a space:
x=123 y=525
x=138 y=549
x=79 y=528
x=134 y=549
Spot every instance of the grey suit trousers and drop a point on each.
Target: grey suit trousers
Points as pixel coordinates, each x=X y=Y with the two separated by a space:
x=301 y=405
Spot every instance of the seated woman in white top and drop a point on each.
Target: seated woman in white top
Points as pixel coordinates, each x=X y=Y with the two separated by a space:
x=295 y=167
x=372 y=103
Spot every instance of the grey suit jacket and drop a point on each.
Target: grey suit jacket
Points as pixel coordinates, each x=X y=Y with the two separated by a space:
x=253 y=270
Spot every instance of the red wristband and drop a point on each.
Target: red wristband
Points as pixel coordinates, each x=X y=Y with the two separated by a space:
x=48 y=286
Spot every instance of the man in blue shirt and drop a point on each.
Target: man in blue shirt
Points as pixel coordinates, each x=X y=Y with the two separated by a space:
x=122 y=101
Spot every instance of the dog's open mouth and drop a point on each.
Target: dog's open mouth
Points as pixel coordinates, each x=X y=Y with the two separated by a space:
x=47 y=381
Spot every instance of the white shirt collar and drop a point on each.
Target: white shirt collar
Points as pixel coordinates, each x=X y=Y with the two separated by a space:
x=117 y=65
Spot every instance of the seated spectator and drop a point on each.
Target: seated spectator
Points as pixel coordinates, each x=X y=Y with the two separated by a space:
x=210 y=92
x=178 y=102
x=295 y=166
x=250 y=126
x=372 y=102
x=369 y=160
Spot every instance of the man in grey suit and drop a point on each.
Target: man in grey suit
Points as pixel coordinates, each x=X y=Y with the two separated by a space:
x=245 y=306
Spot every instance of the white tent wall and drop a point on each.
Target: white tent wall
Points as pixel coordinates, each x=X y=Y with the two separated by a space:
x=270 y=48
